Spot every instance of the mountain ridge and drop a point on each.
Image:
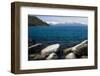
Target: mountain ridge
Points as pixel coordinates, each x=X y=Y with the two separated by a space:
x=35 y=21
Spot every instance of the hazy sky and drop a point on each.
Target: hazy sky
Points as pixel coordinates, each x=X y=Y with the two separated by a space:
x=64 y=19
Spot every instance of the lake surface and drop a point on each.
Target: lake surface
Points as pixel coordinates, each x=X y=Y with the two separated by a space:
x=66 y=36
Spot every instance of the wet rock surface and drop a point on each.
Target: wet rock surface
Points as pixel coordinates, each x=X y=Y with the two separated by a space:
x=41 y=52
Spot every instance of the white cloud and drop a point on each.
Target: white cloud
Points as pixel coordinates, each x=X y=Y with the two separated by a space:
x=64 y=19
x=52 y=22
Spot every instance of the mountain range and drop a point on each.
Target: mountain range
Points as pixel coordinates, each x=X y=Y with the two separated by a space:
x=34 y=21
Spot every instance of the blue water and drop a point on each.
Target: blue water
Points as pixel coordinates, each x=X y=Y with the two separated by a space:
x=66 y=36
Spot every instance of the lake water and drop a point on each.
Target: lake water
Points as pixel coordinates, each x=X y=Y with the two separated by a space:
x=66 y=36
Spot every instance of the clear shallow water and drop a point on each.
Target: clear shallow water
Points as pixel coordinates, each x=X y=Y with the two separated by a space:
x=66 y=36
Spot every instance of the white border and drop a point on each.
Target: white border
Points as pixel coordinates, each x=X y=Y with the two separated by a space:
x=25 y=64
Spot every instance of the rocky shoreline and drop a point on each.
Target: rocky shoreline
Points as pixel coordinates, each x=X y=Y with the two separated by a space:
x=41 y=52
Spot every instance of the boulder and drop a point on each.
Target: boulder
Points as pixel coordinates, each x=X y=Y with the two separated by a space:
x=79 y=50
x=50 y=49
x=52 y=56
x=70 y=56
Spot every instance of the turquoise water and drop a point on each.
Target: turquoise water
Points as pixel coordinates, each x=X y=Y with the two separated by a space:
x=66 y=36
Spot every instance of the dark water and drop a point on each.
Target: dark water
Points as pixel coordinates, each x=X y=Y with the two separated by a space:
x=66 y=36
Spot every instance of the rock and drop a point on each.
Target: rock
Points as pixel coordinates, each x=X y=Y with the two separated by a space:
x=32 y=46
x=52 y=56
x=50 y=49
x=81 y=45
x=79 y=50
x=84 y=57
x=67 y=51
x=39 y=52
x=36 y=57
x=36 y=48
x=70 y=56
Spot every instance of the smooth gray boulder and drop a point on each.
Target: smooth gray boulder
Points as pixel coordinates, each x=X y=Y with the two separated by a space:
x=70 y=56
x=50 y=49
x=67 y=51
x=52 y=56
x=79 y=50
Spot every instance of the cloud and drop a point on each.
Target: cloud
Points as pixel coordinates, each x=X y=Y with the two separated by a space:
x=64 y=19
x=54 y=22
